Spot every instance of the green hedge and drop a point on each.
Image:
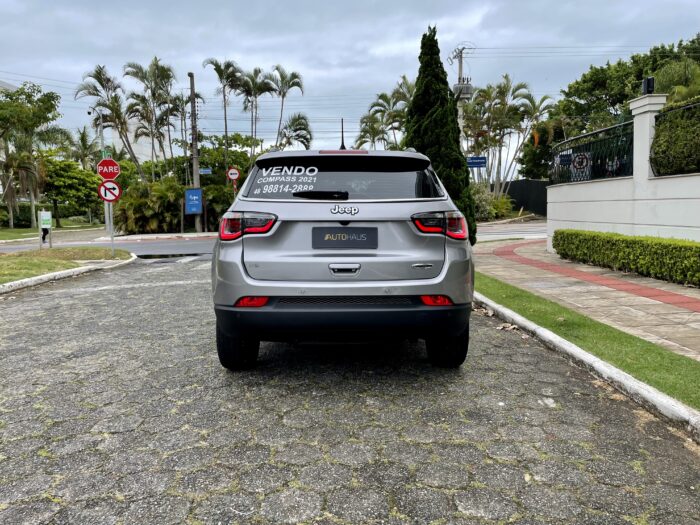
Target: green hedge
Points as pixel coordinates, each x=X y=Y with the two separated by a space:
x=22 y=216
x=672 y=260
x=675 y=149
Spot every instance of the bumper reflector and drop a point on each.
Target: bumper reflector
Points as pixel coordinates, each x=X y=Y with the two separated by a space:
x=436 y=300
x=252 y=302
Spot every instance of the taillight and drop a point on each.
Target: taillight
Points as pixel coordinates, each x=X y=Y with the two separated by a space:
x=252 y=301
x=430 y=222
x=451 y=223
x=236 y=224
x=436 y=300
x=456 y=225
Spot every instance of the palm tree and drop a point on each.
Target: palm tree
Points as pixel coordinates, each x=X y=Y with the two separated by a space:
x=109 y=103
x=387 y=107
x=296 y=129
x=23 y=176
x=253 y=84
x=404 y=90
x=372 y=132
x=532 y=112
x=283 y=83
x=140 y=110
x=178 y=108
x=156 y=79
x=117 y=154
x=83 y=148
x=403 y=94
x=228 y=74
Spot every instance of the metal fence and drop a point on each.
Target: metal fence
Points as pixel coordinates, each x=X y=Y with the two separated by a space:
x=601 y=154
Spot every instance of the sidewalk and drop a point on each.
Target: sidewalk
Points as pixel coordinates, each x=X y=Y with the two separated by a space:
x=663 y=313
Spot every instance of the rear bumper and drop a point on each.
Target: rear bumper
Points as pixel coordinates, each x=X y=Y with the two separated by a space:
x=275 y=323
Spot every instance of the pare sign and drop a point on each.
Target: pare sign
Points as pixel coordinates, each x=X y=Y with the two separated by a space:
x=290 y=170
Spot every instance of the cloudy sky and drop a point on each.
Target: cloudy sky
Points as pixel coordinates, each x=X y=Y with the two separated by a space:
x=346 y=51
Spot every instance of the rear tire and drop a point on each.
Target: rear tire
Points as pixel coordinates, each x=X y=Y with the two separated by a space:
x=235 y=352
x=448 y=352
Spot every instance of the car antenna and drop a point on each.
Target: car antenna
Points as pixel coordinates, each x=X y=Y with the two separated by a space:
x=342 y=135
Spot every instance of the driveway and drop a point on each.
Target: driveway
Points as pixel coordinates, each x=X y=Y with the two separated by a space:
x=114 y=409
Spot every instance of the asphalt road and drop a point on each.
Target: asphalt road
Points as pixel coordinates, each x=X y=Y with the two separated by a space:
x=114 y=409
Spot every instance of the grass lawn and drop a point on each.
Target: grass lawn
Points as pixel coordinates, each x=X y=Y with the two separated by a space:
x=7 y=234
x=676 y=375
x=20 y=265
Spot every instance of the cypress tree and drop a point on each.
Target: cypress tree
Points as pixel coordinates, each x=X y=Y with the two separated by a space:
x=432 y=127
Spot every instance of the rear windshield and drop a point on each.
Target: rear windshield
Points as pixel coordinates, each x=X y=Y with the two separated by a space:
x=283 y=181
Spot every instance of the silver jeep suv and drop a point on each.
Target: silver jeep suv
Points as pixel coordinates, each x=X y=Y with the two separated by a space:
x=342 y=245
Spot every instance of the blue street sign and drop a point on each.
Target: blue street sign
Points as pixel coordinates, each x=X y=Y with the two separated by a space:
x=193 y=201
x=565 y=159
x=205 y=171
x=476 y=162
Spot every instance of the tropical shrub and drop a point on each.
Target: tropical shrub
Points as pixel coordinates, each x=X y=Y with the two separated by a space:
x=502 y=206
x=487 y=207
x=675 y=149
x=483 y=200
x=668 y=259
x=218 y=199
x=154 y=207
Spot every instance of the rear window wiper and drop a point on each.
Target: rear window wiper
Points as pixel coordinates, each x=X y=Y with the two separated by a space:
x=322 y=195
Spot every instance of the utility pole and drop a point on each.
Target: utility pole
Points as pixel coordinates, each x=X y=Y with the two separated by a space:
x=463 y=89
x=195 y=148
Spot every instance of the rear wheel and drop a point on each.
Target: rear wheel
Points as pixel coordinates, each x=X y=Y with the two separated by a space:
x=448 y=352
x=235 y=352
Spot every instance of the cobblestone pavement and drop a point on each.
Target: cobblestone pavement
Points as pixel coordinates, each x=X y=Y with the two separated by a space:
x=114 y=409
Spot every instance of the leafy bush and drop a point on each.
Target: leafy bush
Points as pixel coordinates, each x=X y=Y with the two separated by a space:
x=483 y=202
x=676 y=146
x=668 y=259
x=22 y=218
x=218 y=198
x=150 y=207
x=502 y=206
x=487 y=207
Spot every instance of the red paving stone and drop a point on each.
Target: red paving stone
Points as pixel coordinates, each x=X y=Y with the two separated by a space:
x=662 y=296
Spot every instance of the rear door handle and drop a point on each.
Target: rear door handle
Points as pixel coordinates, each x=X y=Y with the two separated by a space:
x=344 y=268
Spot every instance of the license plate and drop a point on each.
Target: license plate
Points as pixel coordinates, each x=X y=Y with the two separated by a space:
x=344 y=238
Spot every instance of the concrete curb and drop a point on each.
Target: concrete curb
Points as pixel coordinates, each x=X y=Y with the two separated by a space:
x=56 y=276
x=160 y=237
x=507 y=221
x=657 y=402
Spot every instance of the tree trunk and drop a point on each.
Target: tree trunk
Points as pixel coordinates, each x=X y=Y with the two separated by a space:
x=252 y=144
x=170 y=146
x=279 y=126
x=165 y=158
x=11 y=218
x=130 y=150
x=32 y=207
x=223 y=90
x=55 y=213
x=255 y=124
